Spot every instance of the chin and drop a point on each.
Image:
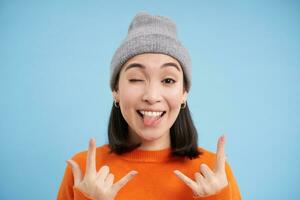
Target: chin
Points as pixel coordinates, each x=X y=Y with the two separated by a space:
x=150 y=136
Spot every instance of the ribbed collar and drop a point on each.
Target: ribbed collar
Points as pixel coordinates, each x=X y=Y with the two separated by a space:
x=138 y=155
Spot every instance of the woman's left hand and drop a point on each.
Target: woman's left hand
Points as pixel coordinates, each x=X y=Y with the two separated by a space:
x=209 y=182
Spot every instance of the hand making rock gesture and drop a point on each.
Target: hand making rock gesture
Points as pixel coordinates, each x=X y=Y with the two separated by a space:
x=97 y=185
x=209 y=182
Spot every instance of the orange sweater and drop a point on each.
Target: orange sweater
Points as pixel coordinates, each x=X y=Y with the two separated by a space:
x=155 y=178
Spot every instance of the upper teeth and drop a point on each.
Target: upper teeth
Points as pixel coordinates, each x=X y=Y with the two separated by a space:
x=151 y=113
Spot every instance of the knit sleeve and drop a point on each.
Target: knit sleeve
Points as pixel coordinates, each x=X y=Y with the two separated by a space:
x=67 y=191
x=230 y=192
x=78 y=195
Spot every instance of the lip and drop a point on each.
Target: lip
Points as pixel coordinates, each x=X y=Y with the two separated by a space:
x=152 y=110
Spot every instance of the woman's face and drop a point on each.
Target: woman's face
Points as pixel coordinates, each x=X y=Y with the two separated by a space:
x=150 y=83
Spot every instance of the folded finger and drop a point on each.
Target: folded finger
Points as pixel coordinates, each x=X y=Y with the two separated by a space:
x=109 y=180
x=206 y=171
x=102 y=173
x=200 y=181
x=199 y=178
x=76 y=171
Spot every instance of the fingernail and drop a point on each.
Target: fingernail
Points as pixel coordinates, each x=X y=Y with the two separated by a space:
x=223 y=138
x=92 y=141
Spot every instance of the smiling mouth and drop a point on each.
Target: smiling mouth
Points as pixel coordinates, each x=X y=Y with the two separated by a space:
x=140 y=114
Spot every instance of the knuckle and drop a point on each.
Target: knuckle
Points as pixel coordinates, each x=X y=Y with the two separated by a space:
x=105 y=167
x=110 y=175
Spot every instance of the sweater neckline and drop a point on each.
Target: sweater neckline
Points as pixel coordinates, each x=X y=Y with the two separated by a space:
x=139 y=155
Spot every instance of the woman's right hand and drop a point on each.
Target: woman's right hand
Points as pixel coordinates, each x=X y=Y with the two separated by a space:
x=97 y=185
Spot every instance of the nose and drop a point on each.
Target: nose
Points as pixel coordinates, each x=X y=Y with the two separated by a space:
x=152 y=94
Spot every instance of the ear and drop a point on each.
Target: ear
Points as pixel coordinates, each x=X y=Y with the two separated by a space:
x=115 y=95
x=185 y=95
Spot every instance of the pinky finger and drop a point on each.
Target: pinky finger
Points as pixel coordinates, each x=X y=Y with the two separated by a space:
x=76 y=171
x=118 y=185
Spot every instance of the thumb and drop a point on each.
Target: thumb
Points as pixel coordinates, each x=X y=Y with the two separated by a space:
x=76 y=171
x=118 y=185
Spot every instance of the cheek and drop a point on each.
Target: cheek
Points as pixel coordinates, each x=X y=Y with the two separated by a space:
x=129 y=93
x=128 y=97
x=174 y=98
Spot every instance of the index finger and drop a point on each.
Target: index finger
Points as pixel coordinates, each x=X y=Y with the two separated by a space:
x=221 y=157
x=91 y=158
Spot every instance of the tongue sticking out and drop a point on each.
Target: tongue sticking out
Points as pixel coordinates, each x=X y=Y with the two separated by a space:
x=151 y=121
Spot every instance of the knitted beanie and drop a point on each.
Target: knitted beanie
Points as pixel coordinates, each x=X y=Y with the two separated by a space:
x=151 y=34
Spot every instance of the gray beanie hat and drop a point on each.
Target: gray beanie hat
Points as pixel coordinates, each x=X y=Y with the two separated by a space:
x=151 y=34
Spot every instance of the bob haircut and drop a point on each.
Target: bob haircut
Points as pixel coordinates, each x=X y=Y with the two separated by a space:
x=183 y=133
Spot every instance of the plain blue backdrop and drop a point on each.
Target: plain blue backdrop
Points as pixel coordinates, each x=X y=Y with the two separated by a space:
x=55 y=95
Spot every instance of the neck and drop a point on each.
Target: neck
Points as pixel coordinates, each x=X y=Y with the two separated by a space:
x=155 y=144
x=163 y=142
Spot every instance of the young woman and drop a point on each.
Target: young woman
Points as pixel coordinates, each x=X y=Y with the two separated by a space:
x=152 y=151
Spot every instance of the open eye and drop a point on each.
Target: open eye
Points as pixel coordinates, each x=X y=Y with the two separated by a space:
x=169 y=81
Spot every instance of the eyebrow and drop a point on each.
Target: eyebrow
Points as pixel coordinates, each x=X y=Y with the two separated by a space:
x=138 y=65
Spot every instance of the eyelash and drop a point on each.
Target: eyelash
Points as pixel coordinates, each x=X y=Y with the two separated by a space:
x=138 y=80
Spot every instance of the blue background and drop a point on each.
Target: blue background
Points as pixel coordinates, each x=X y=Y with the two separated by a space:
x=54 y=75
